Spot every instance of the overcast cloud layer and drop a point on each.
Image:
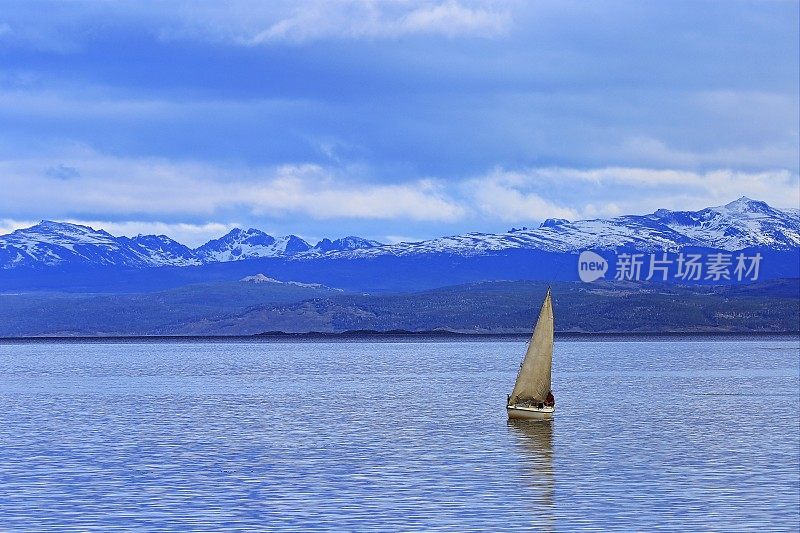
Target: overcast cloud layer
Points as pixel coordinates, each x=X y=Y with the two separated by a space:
x=391 y=120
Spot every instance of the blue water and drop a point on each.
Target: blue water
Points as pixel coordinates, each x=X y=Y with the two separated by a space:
x=682 y=434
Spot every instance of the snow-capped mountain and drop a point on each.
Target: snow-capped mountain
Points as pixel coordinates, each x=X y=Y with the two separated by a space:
x=740 y=224
x=343 y=244
x=161 y=250
x=240 y=244
x=49 y=244
x=58 y=243
x=262 y=278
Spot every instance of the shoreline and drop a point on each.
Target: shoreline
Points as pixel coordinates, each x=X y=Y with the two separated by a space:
x=407 y=336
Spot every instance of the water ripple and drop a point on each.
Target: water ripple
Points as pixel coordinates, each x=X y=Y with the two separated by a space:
x=363 y=436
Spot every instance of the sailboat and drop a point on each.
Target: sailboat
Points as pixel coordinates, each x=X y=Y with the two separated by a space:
x=532 y=397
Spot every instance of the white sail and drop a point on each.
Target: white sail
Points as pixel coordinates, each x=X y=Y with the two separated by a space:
x=533 y=380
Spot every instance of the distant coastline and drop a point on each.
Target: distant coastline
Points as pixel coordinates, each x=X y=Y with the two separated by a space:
x=241 y=309
x=406 y=336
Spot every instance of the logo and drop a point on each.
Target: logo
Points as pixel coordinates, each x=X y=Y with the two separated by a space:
x=591 y=266
x=715 y=267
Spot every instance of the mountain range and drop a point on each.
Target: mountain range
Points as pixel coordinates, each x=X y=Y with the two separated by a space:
x=57 y=255
x=60 y=243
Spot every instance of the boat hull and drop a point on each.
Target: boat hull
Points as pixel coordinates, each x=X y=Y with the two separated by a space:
x=530 y=413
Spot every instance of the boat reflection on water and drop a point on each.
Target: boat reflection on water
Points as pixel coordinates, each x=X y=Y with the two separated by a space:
x=534 y=442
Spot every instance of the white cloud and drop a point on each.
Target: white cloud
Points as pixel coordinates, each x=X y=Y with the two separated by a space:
x=151 y=188
x=192 y=235
x=203 y=200
x=245 y=22
x=501 y=200
x=602 y=192
x=7 y=225
x=312 y=190
x=451 y=18
x=364 y=19
x=656 y=152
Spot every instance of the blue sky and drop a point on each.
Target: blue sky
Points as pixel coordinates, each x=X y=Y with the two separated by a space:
x=390 y=120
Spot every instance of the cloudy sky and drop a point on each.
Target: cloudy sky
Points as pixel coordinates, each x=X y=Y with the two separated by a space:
x=392 y=120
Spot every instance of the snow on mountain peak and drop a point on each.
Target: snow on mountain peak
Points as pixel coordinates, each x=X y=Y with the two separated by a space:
x=261 y=278
x=53 y=243
x=345 y=243
x=740 y=224
x=736 y=225
x=745 y=204
x=161 y=250
x=550 y=222
x=240 y=244
x=65 y=232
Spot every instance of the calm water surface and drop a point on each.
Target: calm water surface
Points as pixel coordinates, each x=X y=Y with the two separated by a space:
x=682 y=434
